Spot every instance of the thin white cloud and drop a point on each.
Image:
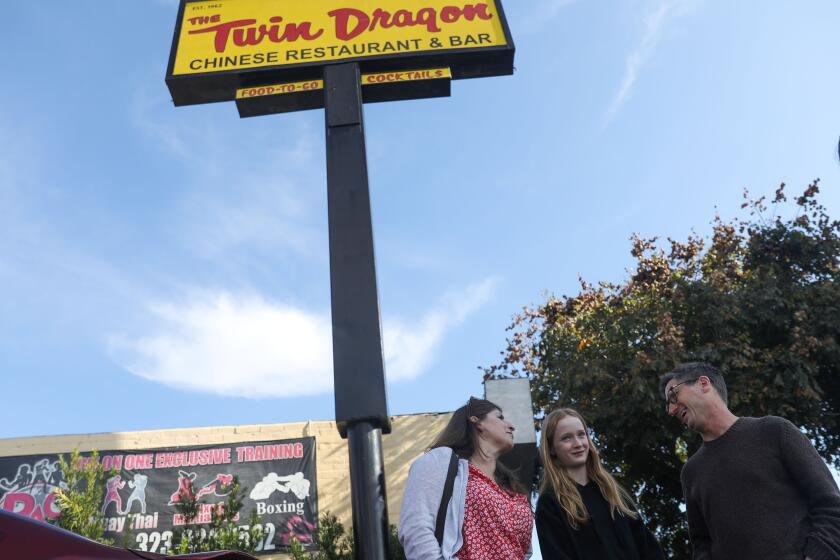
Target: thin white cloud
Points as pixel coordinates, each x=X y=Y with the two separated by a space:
x=47 y=276
x=242 y=188
x=247 y=346
x=541 y=13
x=410 y=347
x=21 y=171
x=17 y=167
x=260 y=210
x=656 y=22
x=241 y=346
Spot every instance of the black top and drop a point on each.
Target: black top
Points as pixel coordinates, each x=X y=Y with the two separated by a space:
x=600 y=538
x=761 y=491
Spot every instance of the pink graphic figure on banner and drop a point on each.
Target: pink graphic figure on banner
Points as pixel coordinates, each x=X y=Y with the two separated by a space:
x=112 y=493
x=184 y=481
x=219 y=486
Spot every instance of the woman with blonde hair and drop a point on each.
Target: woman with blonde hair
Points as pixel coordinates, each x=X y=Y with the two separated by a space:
x=460 y=502
x=582 y=512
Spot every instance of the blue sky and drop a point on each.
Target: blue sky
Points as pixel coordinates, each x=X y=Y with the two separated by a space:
x=166 y=267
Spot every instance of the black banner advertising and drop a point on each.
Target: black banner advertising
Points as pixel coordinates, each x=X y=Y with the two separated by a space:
x=279 y=478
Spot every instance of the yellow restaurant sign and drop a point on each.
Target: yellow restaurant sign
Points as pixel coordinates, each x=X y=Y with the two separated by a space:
x=220 y=35
x=224 y=45
x=367 y=80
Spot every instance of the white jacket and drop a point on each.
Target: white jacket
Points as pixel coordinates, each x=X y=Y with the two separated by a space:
x=421 y=501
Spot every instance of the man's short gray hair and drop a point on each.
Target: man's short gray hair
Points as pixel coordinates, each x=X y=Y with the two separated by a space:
x=693 y=370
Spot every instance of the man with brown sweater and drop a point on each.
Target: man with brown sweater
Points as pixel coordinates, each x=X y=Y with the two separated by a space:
x=756 y=489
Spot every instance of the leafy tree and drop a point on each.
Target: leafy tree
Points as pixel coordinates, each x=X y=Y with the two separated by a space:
x=760 y=298
x=80 y=501
x=395 y=549
x=223 y=532
x=333 y=542
x=225 y=529
x=297 y=550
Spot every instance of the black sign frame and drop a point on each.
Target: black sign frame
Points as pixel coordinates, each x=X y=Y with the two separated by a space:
x=212 y=87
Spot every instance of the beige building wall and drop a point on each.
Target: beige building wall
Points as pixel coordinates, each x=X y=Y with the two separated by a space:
x=409 y=437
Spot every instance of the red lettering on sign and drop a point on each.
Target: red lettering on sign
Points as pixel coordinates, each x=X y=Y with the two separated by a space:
x=26 y=505
x=244 y=34
x=352 y=22
x=203 y=20
x=349 y=23
x=342 y=22
x=19 y=502
x=427 y=17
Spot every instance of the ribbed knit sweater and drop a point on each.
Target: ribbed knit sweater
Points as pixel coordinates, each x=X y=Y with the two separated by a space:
x=761 y=491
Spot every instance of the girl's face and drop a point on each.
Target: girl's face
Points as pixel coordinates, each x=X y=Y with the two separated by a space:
x=570 y=444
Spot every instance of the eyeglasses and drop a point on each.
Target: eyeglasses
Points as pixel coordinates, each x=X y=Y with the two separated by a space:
x=672 y=392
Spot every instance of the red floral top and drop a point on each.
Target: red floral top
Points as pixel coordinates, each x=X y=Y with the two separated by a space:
x=497 y=525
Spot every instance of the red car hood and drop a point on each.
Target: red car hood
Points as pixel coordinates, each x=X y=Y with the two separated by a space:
x=219 y=555
x=22 y=538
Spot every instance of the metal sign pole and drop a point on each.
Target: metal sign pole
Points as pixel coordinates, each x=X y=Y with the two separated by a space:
x=361 y=409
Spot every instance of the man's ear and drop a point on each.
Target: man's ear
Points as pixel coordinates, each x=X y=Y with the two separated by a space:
x=705 y=383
